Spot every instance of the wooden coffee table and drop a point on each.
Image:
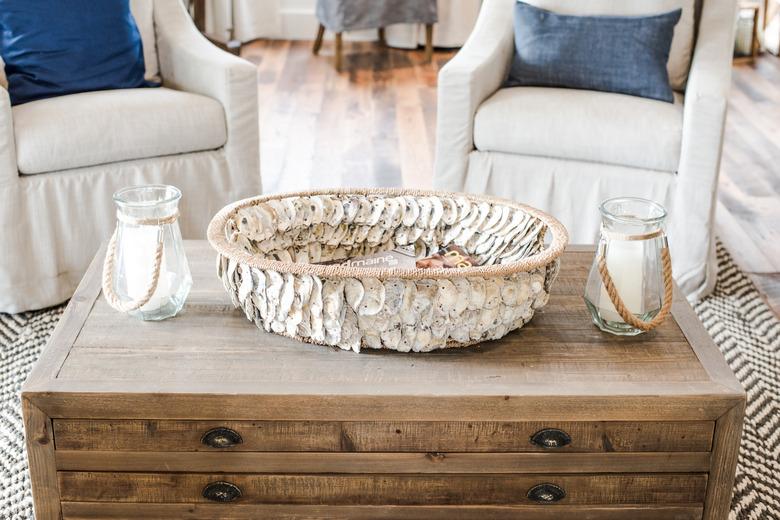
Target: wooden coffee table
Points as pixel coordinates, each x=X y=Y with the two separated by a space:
x=205 y=416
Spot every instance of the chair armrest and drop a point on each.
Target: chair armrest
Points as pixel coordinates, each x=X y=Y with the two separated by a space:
x=189 y=62
x=707 y=90
x=475 y=73
x=9 y=172
x=704 y=117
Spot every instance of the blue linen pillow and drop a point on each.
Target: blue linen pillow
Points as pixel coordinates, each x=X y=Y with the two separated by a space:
x=57 y=47
x=622 y=54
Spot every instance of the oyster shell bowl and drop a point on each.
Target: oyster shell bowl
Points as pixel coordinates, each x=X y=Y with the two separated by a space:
x=271 y=248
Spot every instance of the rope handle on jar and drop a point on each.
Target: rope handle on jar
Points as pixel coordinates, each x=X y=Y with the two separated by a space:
x=108 y=264
x=620 y=306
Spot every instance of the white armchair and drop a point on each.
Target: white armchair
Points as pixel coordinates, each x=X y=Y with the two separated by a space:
x=566 y=150
x=62 y=158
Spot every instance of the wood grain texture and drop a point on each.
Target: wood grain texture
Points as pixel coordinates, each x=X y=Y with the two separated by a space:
x=293 y=436
x=39 y=441
x=527 y=403
x=69 y=326
x=559 y=345
x=703 y=346
x=383 y=489
x=724 y=463
x=127 y=511
x=558 y=367
x=437 y=462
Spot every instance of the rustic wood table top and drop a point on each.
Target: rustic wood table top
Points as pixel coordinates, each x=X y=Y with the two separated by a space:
x=206 y=362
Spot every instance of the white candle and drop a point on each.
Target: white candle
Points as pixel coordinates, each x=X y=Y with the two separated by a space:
x=139 y=244
x=624 y=262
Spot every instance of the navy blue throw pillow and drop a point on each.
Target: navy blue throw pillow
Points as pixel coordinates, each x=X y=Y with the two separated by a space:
x=623 y=54
x=57 y=47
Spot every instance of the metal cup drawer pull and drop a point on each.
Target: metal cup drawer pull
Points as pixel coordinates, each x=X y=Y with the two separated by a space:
x=551 y=438
x=221 y=492
x=221 y=438
x=546 y=493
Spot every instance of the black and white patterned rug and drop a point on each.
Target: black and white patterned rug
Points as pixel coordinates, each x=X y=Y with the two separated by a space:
x=741 y=323
x=748 y=334
x=22 y=336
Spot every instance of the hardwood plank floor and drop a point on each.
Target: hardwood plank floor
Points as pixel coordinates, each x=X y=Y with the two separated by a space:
x=748 y=213
x=374 y=125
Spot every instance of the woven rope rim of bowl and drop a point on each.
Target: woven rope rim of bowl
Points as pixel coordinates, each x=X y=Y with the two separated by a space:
x=218 y=240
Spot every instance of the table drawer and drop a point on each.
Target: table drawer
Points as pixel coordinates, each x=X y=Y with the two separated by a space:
x=371 y=489
x=140 y=511
x=397 y=462
x=166 y=435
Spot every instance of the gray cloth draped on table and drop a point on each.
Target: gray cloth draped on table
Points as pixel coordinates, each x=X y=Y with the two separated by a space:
x=350 y=15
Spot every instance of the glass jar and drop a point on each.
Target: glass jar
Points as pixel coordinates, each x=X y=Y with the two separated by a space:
x=629 y=288
x=145 y=273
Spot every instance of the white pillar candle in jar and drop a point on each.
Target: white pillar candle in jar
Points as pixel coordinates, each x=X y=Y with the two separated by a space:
x=138 y=257
x=632 y=244
x=624 y=262
x=147 y=225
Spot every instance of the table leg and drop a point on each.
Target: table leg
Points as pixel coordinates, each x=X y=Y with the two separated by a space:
x=725 y=449
x=755 y=44
x=428 y=42
x=40 y=455
x=339 y=52
x=318 y=41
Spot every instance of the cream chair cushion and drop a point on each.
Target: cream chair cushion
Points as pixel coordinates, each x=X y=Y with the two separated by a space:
x=114 y=125
x=682 y=42
x=582 y=125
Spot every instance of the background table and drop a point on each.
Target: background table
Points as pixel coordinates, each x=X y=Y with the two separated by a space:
x=351 y=15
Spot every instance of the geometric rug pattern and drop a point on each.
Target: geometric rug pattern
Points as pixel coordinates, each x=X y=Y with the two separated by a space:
x=748 y=333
